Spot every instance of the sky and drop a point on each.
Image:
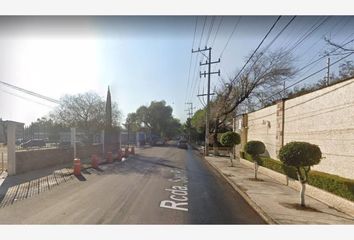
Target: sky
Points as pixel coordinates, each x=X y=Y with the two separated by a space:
x=144 y=59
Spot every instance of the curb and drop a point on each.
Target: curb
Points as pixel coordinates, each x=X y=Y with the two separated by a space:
x=258 y=209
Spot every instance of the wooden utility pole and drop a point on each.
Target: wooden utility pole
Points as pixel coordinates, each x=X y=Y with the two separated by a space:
x=209 y=73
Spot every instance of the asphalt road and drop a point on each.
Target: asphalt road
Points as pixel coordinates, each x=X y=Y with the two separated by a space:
x=160 y=185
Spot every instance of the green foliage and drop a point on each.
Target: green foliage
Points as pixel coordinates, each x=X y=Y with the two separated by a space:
x=198 y=121
x=274 y=165
x=157 y=117
x=230 y=139
x=332 y=183
x=254 y=148
x=337 y=185
x=300 y=154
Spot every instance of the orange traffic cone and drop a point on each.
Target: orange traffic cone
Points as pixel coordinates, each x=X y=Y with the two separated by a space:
x=77 y=167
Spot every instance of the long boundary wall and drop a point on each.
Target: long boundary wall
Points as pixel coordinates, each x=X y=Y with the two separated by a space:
x=324 y=117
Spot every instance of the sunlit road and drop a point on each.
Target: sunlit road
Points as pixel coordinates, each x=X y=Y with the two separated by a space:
x=160 y=185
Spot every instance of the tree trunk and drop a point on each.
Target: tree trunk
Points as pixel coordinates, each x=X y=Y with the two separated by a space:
x=255 y=169
x=232 y=164
x=303 y=188
x=302 y=194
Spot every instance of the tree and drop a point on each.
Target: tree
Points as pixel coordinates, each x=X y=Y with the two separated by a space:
x=230 y=139
x=263 y=77
x=302 y=156
x=255 y=148
x=86 y=111
x=47 y=126
x=157 y=117
x=198 y=121
x=346 y=70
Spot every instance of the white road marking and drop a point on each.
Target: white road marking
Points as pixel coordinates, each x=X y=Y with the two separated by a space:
x=179 y=194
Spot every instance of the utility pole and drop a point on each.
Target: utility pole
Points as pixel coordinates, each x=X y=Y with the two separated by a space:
x=209 y=73
x=190 y=114
x=190 y=109
x=328 y=65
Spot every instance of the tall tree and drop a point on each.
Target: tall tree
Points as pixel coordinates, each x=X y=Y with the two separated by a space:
x=108 y=122
x=85 y=111
x=157 y=117
x=259 y=81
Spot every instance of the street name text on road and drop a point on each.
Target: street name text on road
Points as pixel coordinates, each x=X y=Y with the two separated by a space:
x=179 y=194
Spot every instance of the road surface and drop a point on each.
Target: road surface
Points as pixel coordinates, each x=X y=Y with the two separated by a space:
x=160 y=185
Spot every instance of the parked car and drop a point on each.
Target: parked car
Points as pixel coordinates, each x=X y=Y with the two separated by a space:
x=33 y=143
x=182 y=144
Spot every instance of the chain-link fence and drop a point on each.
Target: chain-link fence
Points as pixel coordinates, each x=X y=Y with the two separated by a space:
x=36 y=138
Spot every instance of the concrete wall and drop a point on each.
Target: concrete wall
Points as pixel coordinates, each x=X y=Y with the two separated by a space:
x=324 y=117
x=37 y=159
x=262 y=126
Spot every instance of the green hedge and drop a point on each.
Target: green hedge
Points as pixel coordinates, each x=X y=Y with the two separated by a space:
x=340 y=186
x=337 y=185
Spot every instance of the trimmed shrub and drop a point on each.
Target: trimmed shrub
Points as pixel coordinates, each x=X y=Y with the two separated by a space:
x=300 y=154
x=230 y=139
x=254 y=148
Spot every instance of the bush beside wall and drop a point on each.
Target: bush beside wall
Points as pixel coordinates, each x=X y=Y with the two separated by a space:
x=337 y=185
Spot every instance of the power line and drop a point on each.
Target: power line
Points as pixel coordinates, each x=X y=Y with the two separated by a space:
x=274 y=39
x=277 y=36
x=217 y=30
x=191 y=58
x=24 y=98
x=320 y=58
x=232 y=33
x=303 y=79
x=306 y=35
x=193 y=86
x=210 y=30
x=321 y=38
x=201 y=36
x=259 y=45
x=30 y=92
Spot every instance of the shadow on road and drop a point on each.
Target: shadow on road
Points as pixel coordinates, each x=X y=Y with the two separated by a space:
x=81 y=177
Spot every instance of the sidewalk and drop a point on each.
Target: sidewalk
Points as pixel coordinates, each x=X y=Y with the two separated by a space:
x=275 y=202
